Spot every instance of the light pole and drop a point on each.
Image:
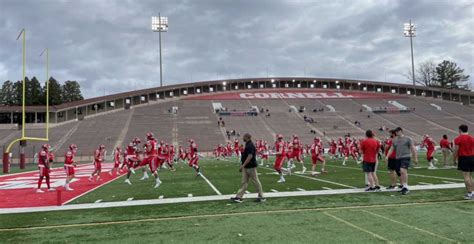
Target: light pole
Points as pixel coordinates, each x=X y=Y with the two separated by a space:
x=409 y=30
x=159 y=24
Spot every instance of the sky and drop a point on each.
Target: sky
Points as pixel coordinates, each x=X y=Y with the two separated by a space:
x=108 y=45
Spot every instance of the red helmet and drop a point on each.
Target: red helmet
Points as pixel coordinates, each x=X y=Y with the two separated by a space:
x=136 y=140
x=130 y=144
x=426 y=136
x=162 y=142
x=279 y=136
x=191 y=140
x=149 y=135
x=45 y=146
x=73 y=146
x=102 y=146
x=295 y=136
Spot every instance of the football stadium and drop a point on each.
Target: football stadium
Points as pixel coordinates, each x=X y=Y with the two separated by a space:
x=264 y=159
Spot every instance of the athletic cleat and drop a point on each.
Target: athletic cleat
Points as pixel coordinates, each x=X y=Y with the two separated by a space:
x=145 y=177
x=369 y=189
x=432 y=167
x=198 y=174
x=39 y=191
x=158 y=183
x=303 y=170
x=260 y=199
x=128 y=181
x=377 y=188
x=404 y=191
x=69 y=189
x=390 y=187
x=51 y=189
x=236 y=199
x=469 y=197
x=281 y=180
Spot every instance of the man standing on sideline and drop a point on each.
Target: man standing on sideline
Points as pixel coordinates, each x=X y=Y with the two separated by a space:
x=369 y=148
x=404 y=151
x=464 y=153
x=249 y=170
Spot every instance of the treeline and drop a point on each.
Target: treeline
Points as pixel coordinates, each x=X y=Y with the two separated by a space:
x=35 y=93
x=446 y=74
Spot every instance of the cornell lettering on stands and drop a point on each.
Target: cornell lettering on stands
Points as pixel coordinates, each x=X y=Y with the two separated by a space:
x=292 y=95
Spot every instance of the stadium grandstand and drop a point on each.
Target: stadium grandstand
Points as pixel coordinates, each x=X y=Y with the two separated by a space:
x=328 y=108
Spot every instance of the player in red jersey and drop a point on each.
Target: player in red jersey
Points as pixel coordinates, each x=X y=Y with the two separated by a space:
x=279 y=157
x=99 y=157
x=317 y=155
x=171 y=156
x=446 y=149
x=129 y=160
x=117 y=155
x=169 y=150
x=69 y=165
x=229 y=149
x=150 y=155
x=429 y=144
x=296 y=150
x=44 y=168
x=236 y=147
x=332 y=149
x=193 y=155
x=181 y=154
x=265 y=152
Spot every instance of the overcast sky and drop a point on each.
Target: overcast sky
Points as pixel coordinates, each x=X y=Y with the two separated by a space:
x=108 y=45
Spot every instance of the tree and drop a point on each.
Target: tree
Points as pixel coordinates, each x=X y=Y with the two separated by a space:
x=55 y=92
x=425 y=74
x=7 y=96
x=71 y=91
x=34 y=92
x=17 y=93
x=449 y=75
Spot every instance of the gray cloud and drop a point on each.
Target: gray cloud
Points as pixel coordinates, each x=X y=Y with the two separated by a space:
x=108 y=46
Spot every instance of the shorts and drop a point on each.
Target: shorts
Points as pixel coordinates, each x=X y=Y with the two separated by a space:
x=264 y=156
x=403 y=163
x=466 y=163
x=315 y=159
x=429 y=154
x=43 y=171
x=295 y=155
x=393 y=165
x=97 y=166
x=193 y=161
x=368 y=167
x=69 y=170
x=278 y=163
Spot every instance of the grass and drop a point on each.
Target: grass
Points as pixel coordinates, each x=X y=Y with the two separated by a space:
x=436 y=216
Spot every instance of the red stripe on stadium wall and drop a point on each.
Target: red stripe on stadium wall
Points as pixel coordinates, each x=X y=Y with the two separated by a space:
x=290 y=94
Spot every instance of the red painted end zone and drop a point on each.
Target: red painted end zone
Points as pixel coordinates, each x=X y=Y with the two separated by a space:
x=19 y=190
x=291 y=94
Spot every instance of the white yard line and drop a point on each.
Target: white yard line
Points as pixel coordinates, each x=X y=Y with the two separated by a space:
x=321 y=180
x=211 y=185
x=424 y=183
x=91 y=190
x=212 y=198
x=409 y=174
x=247 y=213
x=409 y=226
x=357 y=227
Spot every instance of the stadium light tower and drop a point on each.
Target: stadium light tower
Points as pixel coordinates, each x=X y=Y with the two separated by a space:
x=409 y=30
x=159 y=24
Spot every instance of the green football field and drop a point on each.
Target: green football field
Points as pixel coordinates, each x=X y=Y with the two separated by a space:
x=435 y=216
